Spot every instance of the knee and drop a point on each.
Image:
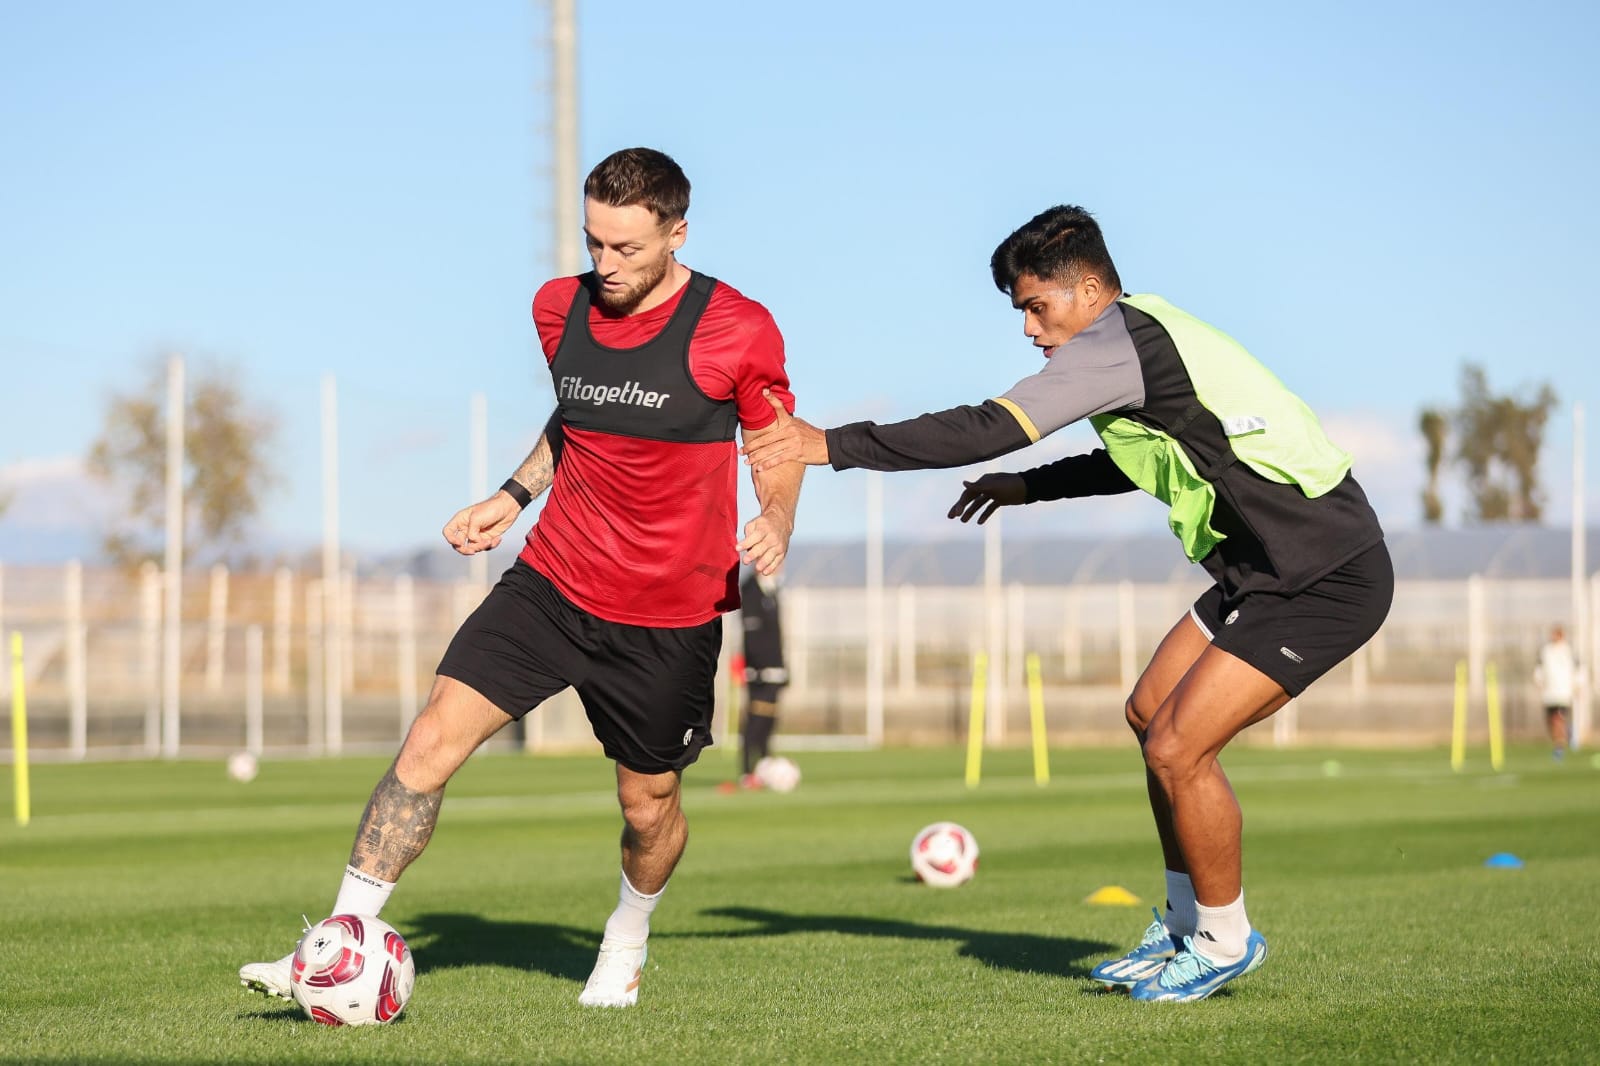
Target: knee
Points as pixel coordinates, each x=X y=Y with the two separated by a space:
x=1168 y=757
x=426 y=759
x=647 y=813
x=1140 y=709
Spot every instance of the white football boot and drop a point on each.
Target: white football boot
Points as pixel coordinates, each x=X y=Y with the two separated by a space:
x=615 y=980
x=271 y=978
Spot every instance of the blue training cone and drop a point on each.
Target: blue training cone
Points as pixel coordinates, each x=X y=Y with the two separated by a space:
x=1503 y=860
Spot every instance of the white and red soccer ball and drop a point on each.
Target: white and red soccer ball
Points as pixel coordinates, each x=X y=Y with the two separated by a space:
x=777 y=773
x=944 y=855
x=352 y=969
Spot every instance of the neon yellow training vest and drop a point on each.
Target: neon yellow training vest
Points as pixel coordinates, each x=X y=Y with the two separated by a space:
x=1269 y=428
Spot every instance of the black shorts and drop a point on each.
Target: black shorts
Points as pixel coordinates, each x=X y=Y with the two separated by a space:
x=648 y=693
x=1296 y=639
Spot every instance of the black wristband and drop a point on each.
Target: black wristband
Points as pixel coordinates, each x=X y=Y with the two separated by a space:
x=518 y=493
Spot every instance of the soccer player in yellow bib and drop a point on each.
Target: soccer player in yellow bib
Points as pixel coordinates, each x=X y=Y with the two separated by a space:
x=1256 y=494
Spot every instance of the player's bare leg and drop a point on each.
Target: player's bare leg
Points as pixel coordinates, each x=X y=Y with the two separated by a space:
x=1218 y=696
x=654 y=833
x=1176 y=654
x=404 y=807
x=402 y=811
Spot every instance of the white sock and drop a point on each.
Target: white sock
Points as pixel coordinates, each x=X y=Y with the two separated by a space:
x=361 y=893
x=1221 y=932
x=1180 y=916
x=629 y=924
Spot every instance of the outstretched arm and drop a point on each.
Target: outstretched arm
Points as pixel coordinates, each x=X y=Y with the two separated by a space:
x=942 y=439
x=481 y=526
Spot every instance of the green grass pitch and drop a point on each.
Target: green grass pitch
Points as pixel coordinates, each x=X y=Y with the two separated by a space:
x=793 y=931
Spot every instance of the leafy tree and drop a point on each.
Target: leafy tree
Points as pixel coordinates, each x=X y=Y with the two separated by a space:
x=1498 y=440
x=226 y=469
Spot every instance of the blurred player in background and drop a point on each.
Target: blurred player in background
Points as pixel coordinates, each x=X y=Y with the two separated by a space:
x=1257 y=495
x=620 y=589
x=1555 y=675
x=765 y=674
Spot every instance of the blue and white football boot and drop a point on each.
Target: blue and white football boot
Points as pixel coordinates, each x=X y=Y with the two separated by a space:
x=1190 y=975
x=1142 y=962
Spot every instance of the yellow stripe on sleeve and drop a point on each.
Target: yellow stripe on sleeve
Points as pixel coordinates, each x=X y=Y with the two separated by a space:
x=1022 y=418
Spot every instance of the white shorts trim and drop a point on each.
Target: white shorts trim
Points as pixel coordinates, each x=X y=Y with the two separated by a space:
x=1201 y=625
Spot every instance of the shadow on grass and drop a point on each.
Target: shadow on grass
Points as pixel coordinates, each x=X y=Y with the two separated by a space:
x=444 y=940
x=441 y=941
x=1023 y=952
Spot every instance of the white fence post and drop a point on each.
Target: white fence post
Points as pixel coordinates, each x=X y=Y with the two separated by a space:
x=405 y=609
x=216 y=628
x=282 y=627
x=906 y=635
x=150 y=652
x=1127 y=637
x=77 y=680
x=252 y=691
x=316 y=661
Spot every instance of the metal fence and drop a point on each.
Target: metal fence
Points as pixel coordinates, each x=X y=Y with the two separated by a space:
x=255 y=669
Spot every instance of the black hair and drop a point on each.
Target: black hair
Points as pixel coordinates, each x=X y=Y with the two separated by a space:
x=1062 y=243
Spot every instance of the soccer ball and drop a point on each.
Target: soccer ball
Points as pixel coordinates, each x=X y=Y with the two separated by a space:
x=352 y=969
x=777 y=773
x=242 y=767
x=944 y=855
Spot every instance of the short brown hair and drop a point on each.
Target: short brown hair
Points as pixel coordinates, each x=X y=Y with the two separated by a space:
x=640 y=176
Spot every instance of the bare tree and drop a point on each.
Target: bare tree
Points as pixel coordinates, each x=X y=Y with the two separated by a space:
x=226 y=470
x=1498 y=439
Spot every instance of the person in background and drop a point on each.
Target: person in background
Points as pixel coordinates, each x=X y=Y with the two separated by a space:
x=1554 y=676
x=765 y=673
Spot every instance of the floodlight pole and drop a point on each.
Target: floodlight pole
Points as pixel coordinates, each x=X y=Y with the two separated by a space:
x=564 y=134
x=1585 y=672
x=171 y=658
x=478 y=489
x=332 y=579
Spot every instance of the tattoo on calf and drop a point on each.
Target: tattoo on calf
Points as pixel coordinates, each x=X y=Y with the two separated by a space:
x=395 y=827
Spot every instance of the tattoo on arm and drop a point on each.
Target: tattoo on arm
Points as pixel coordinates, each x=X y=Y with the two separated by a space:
x=395 y=827
x=538 y=470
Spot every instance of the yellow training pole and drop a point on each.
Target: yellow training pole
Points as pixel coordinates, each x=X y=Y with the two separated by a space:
x=19 y=730
x=1497 y=744
x=1041 y=742
x=980 y=677
x=1458 y=731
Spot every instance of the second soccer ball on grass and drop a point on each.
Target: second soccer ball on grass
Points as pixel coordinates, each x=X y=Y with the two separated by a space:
x=944 y=855
x=777 y=773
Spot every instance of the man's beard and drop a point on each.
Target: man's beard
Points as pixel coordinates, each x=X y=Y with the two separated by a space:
x=624 y=302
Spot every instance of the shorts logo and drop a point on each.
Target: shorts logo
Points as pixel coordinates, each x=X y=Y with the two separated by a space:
x=1232 y=617
x=1287 y=654
x=688 y=735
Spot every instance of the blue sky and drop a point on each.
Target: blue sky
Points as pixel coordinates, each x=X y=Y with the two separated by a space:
x=1364 y=194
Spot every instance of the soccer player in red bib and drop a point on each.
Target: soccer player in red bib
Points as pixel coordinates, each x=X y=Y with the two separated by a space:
x=621 y=587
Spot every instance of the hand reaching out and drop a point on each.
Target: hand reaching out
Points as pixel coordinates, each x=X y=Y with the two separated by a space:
x=988 y=493
x=789 y=439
